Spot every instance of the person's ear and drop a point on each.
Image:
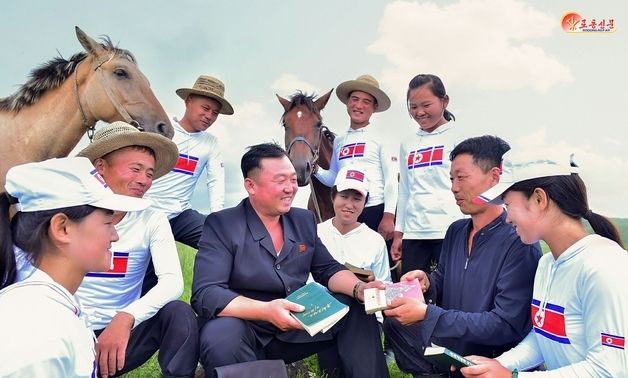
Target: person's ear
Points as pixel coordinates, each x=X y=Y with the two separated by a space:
x=99 y=164
x=445 y=100
x=495 y=175
x=249 y=185
x=540 y=198
x=59 y=229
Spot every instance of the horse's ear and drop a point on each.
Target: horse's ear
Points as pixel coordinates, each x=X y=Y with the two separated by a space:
x=285 y=103
x=89 y=44
x=322 y=101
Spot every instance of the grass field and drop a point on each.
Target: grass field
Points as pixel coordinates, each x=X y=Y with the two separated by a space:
x=186 y=256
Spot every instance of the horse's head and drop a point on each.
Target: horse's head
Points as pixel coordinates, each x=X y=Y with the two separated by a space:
x=303 y=125
x=114 y=89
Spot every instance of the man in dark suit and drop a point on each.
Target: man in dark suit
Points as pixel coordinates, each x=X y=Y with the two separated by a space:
x=254 y=255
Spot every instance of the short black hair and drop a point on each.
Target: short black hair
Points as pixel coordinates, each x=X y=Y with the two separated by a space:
x=253 y=156
x=487 y=151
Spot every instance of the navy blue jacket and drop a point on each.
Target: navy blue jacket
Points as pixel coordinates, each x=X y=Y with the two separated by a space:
x=236 y=257
x=479 y=303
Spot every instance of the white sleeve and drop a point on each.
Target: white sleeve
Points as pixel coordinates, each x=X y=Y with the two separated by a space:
x=169 y=286
x=328 y=176
x=526 y=355
x=381 y=267
x=402 y=200
x=390 y=170
x=216 y=179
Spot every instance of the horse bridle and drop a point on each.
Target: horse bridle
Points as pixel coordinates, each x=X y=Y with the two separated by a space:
x=116 y=104
x=322 y=130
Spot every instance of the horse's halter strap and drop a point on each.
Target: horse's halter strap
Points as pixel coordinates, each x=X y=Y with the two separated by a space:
x=116 y=104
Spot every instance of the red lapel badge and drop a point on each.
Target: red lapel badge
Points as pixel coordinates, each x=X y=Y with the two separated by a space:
x=302 y=248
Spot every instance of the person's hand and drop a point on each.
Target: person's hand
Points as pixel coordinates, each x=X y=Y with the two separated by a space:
x=424 y=278
x=386 y=226
x=279 y=314
x=369 y=285
x=112 y=343
x=395 y=249
x=407 y=310
x=485 y=368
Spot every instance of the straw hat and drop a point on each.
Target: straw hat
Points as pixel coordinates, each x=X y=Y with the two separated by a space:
x=364 y=83
x=211 y=87
x=120 y=134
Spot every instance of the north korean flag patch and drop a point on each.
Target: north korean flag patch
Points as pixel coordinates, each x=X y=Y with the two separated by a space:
x=186 y=164
x=426 y=157
x=613 y=341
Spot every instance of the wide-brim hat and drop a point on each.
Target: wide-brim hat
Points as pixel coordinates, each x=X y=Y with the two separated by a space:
x=520 y=168
x=120 y=134
x=364 y=83
x=211 y=87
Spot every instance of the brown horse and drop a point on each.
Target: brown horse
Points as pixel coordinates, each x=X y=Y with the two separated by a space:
x=309 y=144
x=63 y=99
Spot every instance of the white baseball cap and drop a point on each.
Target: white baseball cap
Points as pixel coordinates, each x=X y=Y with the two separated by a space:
x=516 y=169
x=352 y=178
x=58 y=183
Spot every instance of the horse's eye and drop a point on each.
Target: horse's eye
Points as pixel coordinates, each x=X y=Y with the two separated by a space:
x=319 y=125
x=119 y=72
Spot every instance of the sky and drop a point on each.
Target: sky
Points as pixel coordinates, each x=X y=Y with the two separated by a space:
x=508 y=66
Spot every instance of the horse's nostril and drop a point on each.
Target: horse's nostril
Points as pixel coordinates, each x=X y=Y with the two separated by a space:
x=161 y=128
x=308 y=167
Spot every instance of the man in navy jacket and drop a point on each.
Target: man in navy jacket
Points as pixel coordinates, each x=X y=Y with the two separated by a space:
x=254 y=255
x=478 y=298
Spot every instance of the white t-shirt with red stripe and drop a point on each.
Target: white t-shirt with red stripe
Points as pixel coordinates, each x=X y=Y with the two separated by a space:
x=370 y=150
x=579 y=314
x=142 y=234
x=426 y=206
x=172 y=192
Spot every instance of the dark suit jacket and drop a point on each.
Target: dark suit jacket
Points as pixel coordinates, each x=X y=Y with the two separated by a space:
x=236 y=257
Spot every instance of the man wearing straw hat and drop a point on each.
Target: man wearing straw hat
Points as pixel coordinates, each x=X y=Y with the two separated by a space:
x=198 y=150
x=363 y=146
x=131 y=327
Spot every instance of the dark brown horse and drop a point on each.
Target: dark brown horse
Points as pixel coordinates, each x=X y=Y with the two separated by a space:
x=309 y=144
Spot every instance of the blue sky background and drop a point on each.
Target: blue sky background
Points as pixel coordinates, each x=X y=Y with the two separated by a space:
x=509 y=68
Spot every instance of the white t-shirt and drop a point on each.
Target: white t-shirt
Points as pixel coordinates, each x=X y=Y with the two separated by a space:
x=44 y=332
x=361 y=247
x=367 y=148
x=579 y=314
x=172 y=192
x=142 y=234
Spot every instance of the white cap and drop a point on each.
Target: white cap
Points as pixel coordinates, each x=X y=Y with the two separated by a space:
x=65 y=182
x=352 y=178
x=517 y=169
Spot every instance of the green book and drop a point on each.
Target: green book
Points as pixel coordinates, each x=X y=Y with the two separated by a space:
x=445 y=356
x=322 y=310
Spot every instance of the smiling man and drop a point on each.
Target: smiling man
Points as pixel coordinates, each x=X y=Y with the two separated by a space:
x=131 y=327
x=364 y=147
x=478 y=298
x=254 y=255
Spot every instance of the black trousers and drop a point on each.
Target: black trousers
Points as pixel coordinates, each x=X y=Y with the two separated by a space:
x=408 y=347
x=173 y=330
x=229 y=340
x=420 y=254
x=186 y=228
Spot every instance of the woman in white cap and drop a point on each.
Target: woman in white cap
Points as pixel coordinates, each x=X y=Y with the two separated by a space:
x=64 y=227
x=580 y=299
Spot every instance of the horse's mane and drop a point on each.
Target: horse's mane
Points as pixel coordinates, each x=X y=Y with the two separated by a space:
x=51 y=75
x=301 y=98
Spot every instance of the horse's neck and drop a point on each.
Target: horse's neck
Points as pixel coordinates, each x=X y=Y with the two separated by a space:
x=51 y=127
